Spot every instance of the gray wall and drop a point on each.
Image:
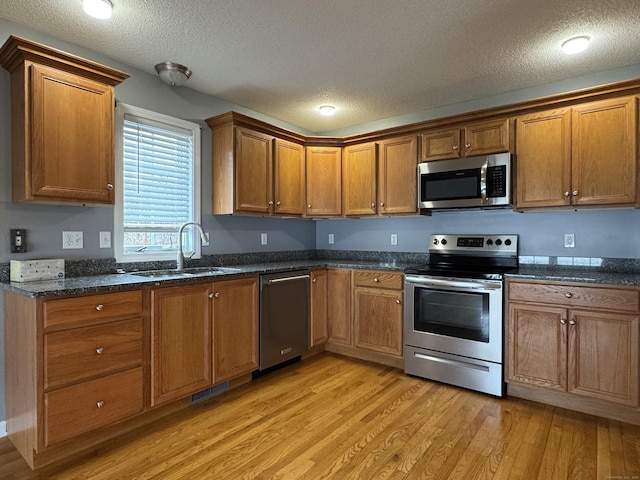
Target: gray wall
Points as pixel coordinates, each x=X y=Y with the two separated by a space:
x=613 y=233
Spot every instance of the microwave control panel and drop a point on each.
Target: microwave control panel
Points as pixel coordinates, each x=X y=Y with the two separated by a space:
x=497 y=181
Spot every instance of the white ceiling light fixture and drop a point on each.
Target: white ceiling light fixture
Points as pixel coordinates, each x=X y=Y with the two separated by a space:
x=173 y=73
x=575 y=45
x=327 y=110
x=101 y=9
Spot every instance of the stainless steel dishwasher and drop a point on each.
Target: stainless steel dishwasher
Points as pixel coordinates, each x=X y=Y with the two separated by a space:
x=284 y=317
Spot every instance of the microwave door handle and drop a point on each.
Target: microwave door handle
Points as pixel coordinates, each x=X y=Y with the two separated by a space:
x=483 y=182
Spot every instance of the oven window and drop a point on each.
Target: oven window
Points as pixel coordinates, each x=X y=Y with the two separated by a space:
x=453 y=314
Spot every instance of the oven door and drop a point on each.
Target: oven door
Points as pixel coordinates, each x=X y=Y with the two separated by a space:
x=455 y=316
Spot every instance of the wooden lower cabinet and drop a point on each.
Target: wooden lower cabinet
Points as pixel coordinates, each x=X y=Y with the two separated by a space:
x=339 y=291
x=319 y=307
x=587 y=352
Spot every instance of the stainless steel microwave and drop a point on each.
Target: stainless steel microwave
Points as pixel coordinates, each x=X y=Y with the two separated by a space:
x=472 y=182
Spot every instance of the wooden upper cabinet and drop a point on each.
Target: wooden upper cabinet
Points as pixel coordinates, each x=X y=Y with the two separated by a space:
x=288 y=178
x=359 y=179
x=253 y=182
x=324 y=181
x=580 y=156
x=479 y=138
x=543 y=149
x=397 y=175
x=62 y=111
x=604 y=152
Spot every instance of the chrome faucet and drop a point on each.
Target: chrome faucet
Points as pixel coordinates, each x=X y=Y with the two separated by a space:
x=180 y=259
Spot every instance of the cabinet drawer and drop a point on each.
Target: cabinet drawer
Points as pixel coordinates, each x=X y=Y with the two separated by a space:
x=84 y=407
x=68 y=311
x=72 y=355
x=368 y=278
x=575 y=296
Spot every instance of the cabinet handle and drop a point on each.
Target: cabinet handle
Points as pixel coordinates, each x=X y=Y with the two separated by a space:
x=566 y=194
x=99 y=307
x=376 y=279
x=563 y=321
x=572 y=322
x=398 y=302
x=100 y=350
x=455 y=147
x=109 y=186
x=575 y=193
x=568 y=295
x=100 y=404
x=467 y=145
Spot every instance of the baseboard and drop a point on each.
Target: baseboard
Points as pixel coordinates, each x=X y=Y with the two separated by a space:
x=3 y=429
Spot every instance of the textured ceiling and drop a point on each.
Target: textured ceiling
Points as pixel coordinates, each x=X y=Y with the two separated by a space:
x=372 y=59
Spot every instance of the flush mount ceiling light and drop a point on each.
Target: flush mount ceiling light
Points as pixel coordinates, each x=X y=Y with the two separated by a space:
x=98 y=8
x=575 y=45
x=327 y=110
x=173 y=73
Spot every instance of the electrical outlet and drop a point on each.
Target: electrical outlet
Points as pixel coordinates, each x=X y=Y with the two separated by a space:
x=105 y=239
x=72 y=240
x=569 y=240
x=331 y=239
x=394 y=239
x=263 y=239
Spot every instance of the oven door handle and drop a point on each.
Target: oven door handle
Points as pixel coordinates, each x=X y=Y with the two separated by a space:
x=455 y=283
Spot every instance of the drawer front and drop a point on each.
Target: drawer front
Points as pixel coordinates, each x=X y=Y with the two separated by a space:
x=68 y=311
x=575 y=296
x=84 y=407
x=73 y=355
x=377 y=279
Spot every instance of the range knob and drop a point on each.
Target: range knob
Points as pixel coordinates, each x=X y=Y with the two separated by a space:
x=436 y=241
x=507 y=242
x=498 y=242
x=444 y=241
x=489 y=242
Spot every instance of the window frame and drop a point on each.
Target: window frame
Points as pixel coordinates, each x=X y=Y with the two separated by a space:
x=122 y=111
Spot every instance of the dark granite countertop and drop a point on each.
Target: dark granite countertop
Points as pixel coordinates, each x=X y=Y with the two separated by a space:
x=123 y=281
x=559 y=273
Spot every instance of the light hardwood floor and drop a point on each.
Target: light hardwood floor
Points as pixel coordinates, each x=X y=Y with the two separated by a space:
x=338 y=418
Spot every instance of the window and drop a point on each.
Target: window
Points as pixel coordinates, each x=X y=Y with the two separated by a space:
x=158 y=189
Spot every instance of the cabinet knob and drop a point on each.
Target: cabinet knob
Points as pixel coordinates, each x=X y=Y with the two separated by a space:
x=572 y=322
x=211 y=295
x=99 y=307
x=455 y=147
x=277 y=204
x=563 y=321
x=575 y=193
x=566 y=194
x=376 y=279
x=100 y=404
x=100 y=350
x=314 y=280
x=373 y=205
x=216 y=295
x=568 y=294
x=382 y=204
x=467 y=145
x=309 y=206
x=398 y=302
x=109 y=186
x=271 y=202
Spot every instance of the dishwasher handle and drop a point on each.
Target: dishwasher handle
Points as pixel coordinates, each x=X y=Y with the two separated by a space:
x=288 y=279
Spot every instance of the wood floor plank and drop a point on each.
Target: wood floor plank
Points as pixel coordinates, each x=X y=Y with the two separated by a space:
x=330 y=417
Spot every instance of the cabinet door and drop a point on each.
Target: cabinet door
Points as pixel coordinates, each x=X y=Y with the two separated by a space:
x=397 y=175
x=378 y=320
x=319 y=291
x=339 y=308
x=440 y=145
x=324 y=180
x=543 y=148
x=181 y=341
x=235 y=321
x=71 y=138
x=603 y=356
x=604 y=152
x=537 y=345
x=359 y=179
x=253 y=171
x=486 y=137
x=288 y=178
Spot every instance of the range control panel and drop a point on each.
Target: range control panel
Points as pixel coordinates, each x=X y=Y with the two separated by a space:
x=468 y=244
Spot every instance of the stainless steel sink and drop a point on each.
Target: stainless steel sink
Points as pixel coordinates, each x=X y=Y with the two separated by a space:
x=187 y=272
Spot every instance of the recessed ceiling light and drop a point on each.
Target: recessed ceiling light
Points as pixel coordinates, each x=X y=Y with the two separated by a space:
x=327 y=110
x=575 y=45
x=98 y=8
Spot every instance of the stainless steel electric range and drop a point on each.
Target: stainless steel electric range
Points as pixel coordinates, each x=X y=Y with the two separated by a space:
x=453 y=317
